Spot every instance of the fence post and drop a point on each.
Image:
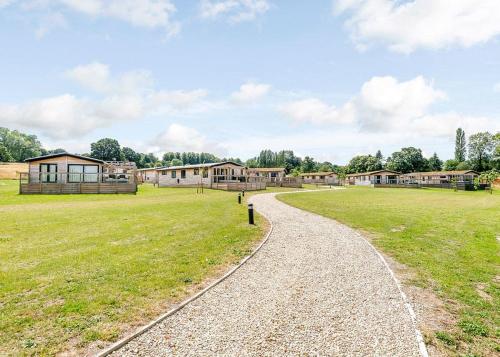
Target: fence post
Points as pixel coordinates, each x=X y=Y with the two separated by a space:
x=250 y=214
x=239 y=198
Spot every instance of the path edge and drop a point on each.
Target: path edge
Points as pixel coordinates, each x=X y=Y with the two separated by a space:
x=418 y=335
x=141 y=330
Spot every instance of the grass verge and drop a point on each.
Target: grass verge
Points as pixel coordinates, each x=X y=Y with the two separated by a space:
x=449 y=239
x=78 y=271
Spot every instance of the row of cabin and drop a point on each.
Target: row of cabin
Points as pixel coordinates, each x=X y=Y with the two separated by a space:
x=463 y=179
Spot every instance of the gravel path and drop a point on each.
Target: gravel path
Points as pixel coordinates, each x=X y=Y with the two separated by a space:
x=315 y=288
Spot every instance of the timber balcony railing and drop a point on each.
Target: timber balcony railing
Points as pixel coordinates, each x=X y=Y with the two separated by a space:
x=71 y=182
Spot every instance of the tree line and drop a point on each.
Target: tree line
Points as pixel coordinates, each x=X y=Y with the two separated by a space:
x=481 y=152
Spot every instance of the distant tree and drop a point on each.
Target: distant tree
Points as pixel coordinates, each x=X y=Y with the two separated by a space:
x=409 y=159
x=379 y=155
x=130 y=155
x=481 y=147
x=176 y=162
x=464 y=165
x=252 y=163
x=364 y=163
x=19 y=145
x=5 y=155
x=106 y=149
x=308 y=165
x=450 y=165
x=325 y=167
x=495 y=160
x=460 y=145
x=435 y=164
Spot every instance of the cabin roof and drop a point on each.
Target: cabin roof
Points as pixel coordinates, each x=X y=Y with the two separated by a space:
x=443 y=173
x=266 y=169
x=194 y=166
x=373 y=173
x=50 y=156
x=324 y=173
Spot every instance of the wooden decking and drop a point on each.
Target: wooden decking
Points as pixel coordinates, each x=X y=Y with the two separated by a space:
x=76 y=188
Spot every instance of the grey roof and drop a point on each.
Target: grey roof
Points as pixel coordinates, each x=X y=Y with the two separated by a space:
x=194 y=166
x=50 y=156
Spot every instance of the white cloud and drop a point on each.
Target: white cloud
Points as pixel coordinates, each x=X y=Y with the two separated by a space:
x=250 y=92
x=96 y=77
x=140 y=13
x=182 y=138
x=385 y=104
x=496 y=87
x=234 y=10
x=405 y=26
x=49 y=23
x=127 y=97
x=316 y=111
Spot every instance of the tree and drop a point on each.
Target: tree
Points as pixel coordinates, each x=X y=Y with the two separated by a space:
x=460 y=145
x=176 y=162
x=106 y=149
x=379 y=155
x=129 y=154
x=487 y=177
x=364 y=163
x=434 y=163
x=5 y=155
x=409 y=159
x=308 y=165
x=495 y=160
x=450 y=165
x=19 y=145
x=464 y=165
x=481 y=147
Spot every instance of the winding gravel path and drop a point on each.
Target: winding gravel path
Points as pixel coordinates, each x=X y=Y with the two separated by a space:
x=315 y=288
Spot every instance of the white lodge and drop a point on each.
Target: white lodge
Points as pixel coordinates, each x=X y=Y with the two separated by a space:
x=221 y=175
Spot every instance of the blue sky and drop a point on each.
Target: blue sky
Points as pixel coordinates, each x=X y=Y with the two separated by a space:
x=329 y=79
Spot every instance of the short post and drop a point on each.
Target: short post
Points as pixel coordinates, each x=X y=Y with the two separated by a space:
x=239 y=198
x=250 y=214
x=243 y=193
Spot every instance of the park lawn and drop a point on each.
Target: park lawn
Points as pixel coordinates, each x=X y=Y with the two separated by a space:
x=449 y=239
x=79 y=271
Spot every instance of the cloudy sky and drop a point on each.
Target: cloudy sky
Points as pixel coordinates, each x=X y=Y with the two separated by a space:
x=329 y=79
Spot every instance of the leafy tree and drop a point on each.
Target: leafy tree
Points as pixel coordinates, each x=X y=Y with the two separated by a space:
x=106 y=149
x=409 y=159
x=434 y=163
x=129 y=154
x=19 y=145
x=176 y=162
x=481 y=147
x=325 y=167
x=149 y=160
x=5 y=155
x=450 y=165
x=364 y=163
x=460 y=145
x=308 y=165
x=463 y=166
x=487 y=177
x=495 y=160
x=379 y=155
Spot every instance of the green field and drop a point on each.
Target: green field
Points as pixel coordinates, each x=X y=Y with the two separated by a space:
x=449 y=239
x=77 y=271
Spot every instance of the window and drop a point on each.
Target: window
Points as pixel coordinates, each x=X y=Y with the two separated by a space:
x=196 y=171
x=205 y=173
x=82 y=173
x=183 y=174
x=173 y=174
x=163 y=172
x=48 y=173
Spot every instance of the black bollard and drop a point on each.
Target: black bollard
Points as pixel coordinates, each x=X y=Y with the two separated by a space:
x=239 y=198
x=243 y=193
x=250 y=214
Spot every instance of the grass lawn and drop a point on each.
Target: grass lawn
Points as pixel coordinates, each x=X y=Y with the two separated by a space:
x=449 y=239
x=77 y=271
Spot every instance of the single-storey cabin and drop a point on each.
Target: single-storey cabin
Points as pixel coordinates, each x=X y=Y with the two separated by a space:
x=69 y=173
x=326 y=178
x=379 y=177
x=148 y=175
x=441 y=178
x=226 y=175
x=271 y=174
